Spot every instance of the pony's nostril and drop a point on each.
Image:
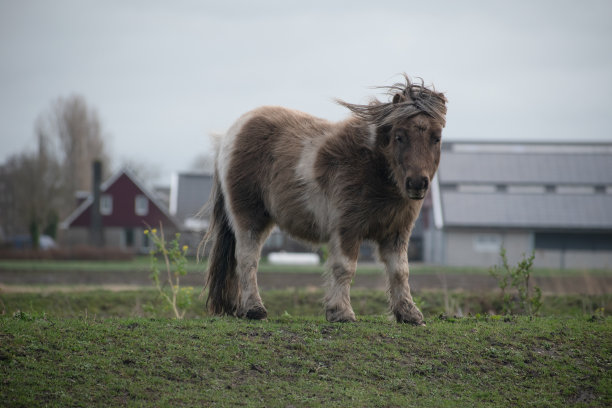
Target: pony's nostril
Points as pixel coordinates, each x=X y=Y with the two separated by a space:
x=417 y=183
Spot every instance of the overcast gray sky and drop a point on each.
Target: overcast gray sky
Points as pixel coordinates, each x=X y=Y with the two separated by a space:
x=164 y=74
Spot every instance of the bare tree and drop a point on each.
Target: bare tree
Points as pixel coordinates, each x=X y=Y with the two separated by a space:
x=42 y=184
x=35 y=188
x=75 y=131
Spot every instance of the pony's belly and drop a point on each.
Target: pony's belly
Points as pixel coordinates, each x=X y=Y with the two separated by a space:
x=301 y=225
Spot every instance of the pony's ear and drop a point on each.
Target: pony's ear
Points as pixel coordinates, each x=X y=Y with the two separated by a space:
x=399 y=97
x=383 y=135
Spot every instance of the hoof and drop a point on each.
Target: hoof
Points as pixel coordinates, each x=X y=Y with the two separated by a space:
x=340 y=316
x=409 y=313
x=410 y=320
x=257 y=313
x=413 y=322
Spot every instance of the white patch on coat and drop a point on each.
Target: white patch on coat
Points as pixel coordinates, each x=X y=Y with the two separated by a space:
x=314 y=200
x=225 y=148
x=372 y=135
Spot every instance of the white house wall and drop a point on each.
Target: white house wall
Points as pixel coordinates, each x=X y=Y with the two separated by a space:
x=433 y=246
x=573 y=259
x=461 y=248
x=458 y=248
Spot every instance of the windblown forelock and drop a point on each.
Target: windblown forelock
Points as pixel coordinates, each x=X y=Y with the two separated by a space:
x=419 y=99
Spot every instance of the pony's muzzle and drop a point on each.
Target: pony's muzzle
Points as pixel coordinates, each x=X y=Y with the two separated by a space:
x=416 y=187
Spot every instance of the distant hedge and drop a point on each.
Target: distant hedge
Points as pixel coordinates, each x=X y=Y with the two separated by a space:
x=82 y=252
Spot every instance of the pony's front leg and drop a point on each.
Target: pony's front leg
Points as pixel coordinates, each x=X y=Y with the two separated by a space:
x=247 y=257
x=341 y=270
x=395 y=257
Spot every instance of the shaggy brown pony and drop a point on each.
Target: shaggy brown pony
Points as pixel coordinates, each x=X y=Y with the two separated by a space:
x=338 y=183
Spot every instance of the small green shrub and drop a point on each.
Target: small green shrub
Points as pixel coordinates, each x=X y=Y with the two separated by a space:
x=518 y=299
x=175 y=262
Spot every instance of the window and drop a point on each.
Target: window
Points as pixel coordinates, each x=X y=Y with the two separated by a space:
x=573 y=241
x=141 y=205
x=128 y=237
x=106 y=204
x=487 y=243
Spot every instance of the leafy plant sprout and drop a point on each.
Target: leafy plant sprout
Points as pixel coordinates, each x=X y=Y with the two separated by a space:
x=175 y=261
x=526 y=300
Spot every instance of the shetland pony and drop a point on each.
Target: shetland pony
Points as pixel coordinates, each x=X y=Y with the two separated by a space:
x=337 y=183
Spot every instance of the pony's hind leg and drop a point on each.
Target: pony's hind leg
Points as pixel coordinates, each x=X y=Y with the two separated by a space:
x=341 y=270
x=248 y=248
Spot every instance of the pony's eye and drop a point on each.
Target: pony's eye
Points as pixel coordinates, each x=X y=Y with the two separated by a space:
x=400 y=137
x=435 y=139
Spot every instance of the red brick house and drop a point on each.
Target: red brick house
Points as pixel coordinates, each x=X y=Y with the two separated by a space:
x=126 y=209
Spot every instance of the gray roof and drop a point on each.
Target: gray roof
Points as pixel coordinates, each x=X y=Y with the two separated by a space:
x=529 y=168
x=466 y=166
x=538 y=211
x=189 y=193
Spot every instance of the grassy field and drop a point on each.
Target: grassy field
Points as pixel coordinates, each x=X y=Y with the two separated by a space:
x=296 y=302
x=305 y=361
x=63 y=346
x=142 y=264
x=119 y=348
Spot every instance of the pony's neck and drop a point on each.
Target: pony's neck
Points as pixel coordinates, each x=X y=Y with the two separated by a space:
x=358 y=130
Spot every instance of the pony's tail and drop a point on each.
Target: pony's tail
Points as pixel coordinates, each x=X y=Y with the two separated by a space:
x=222 y=283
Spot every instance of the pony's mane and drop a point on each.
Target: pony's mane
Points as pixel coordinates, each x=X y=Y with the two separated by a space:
x=418 y=99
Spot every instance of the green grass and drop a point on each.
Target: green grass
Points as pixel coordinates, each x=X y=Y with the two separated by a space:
x=119 y=348
x=296 y=302
x=305 y=361
x=136 y=264
x=142 y=264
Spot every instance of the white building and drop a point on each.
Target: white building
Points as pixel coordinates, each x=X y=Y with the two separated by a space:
x=555 y=199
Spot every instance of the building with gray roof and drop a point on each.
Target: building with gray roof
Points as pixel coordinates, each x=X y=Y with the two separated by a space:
x=189 y=192
x=554 y=199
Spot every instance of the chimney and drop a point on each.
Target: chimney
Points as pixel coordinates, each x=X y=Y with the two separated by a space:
x=96 y=235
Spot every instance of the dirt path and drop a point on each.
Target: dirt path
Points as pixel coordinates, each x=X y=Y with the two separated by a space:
x=587 y=284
